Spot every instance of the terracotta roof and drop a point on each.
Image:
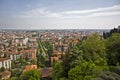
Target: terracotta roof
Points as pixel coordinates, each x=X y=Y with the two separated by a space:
x=27 y=51
x=46 y=72
x=30 y=67
x=56 y=52
x=15 y=52
x=3 y=59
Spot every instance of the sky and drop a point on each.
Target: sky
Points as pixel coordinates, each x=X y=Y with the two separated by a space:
x=59 y=14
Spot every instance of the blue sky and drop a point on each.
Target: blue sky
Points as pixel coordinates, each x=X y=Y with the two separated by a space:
x=59 y=14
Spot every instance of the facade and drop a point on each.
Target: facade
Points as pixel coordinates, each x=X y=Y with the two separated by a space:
x=5 y=62
x=29 y=54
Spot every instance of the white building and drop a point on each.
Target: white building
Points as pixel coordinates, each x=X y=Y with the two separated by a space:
x=25 y=41
x=5 y=62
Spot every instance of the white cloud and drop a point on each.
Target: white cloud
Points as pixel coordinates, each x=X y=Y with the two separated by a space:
x=42 y=12
x=116 y=7
x=105 y=14
x=39 y=12
x=106 y=11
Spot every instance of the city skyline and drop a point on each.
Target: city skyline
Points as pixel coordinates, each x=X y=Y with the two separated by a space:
x=59 y=14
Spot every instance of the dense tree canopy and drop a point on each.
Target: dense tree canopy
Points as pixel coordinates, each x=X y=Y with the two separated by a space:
x=86 y=71
x=113 y=49
x=57 y=71
x=93 y=48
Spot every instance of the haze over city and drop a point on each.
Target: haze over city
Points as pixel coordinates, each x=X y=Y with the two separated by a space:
x=59 y=14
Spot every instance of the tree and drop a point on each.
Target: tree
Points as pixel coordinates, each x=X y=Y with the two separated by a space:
x=107 y=75
x=23 y=62
x=31 y=75
x=13 y=78
x=13 y=65
x=33 y=61
x=86 y=71
x=57 y=71
x=113 y=49
x=41 y=65
x=2 y=69
x=16 y=72
x=75 y=56
x=93 y=48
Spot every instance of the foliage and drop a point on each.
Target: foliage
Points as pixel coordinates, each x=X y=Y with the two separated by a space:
x=23 y=62
x=93 y=48
x=57 y=71
x=31 y=75
x=33 y=61
x=14 y=78
x=13 y=65
x=16 y=72
x=76 y=55
x=2 y=69
x=107 y=75
x=113 y=49
x=115 y=69
x=39 y=64
x=86 y=71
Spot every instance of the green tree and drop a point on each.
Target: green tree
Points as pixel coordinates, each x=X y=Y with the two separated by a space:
x=75 y=56
x=39 y=64
x=86 y=71
x=13 y=65
x=13 y=78
x=16 y=72
x=57 y=71
x=33 y=61
x=113 y=49
x=107 y=75
x=23 y=62
x=2 y=69
x=31 y=75
x=93 y=48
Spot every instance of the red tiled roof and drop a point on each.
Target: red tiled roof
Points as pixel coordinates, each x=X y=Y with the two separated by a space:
x=30 y=67
x=56 y=52
x=3 y=59
x=15 y=52
x=46 y=72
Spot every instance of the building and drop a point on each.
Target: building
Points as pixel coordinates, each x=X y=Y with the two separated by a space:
x=15 y=55
x=5 y=62
x=30 y=67
x=28 y=54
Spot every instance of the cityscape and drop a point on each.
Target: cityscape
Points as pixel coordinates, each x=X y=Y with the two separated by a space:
x=25 y=50
x=59 y=40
